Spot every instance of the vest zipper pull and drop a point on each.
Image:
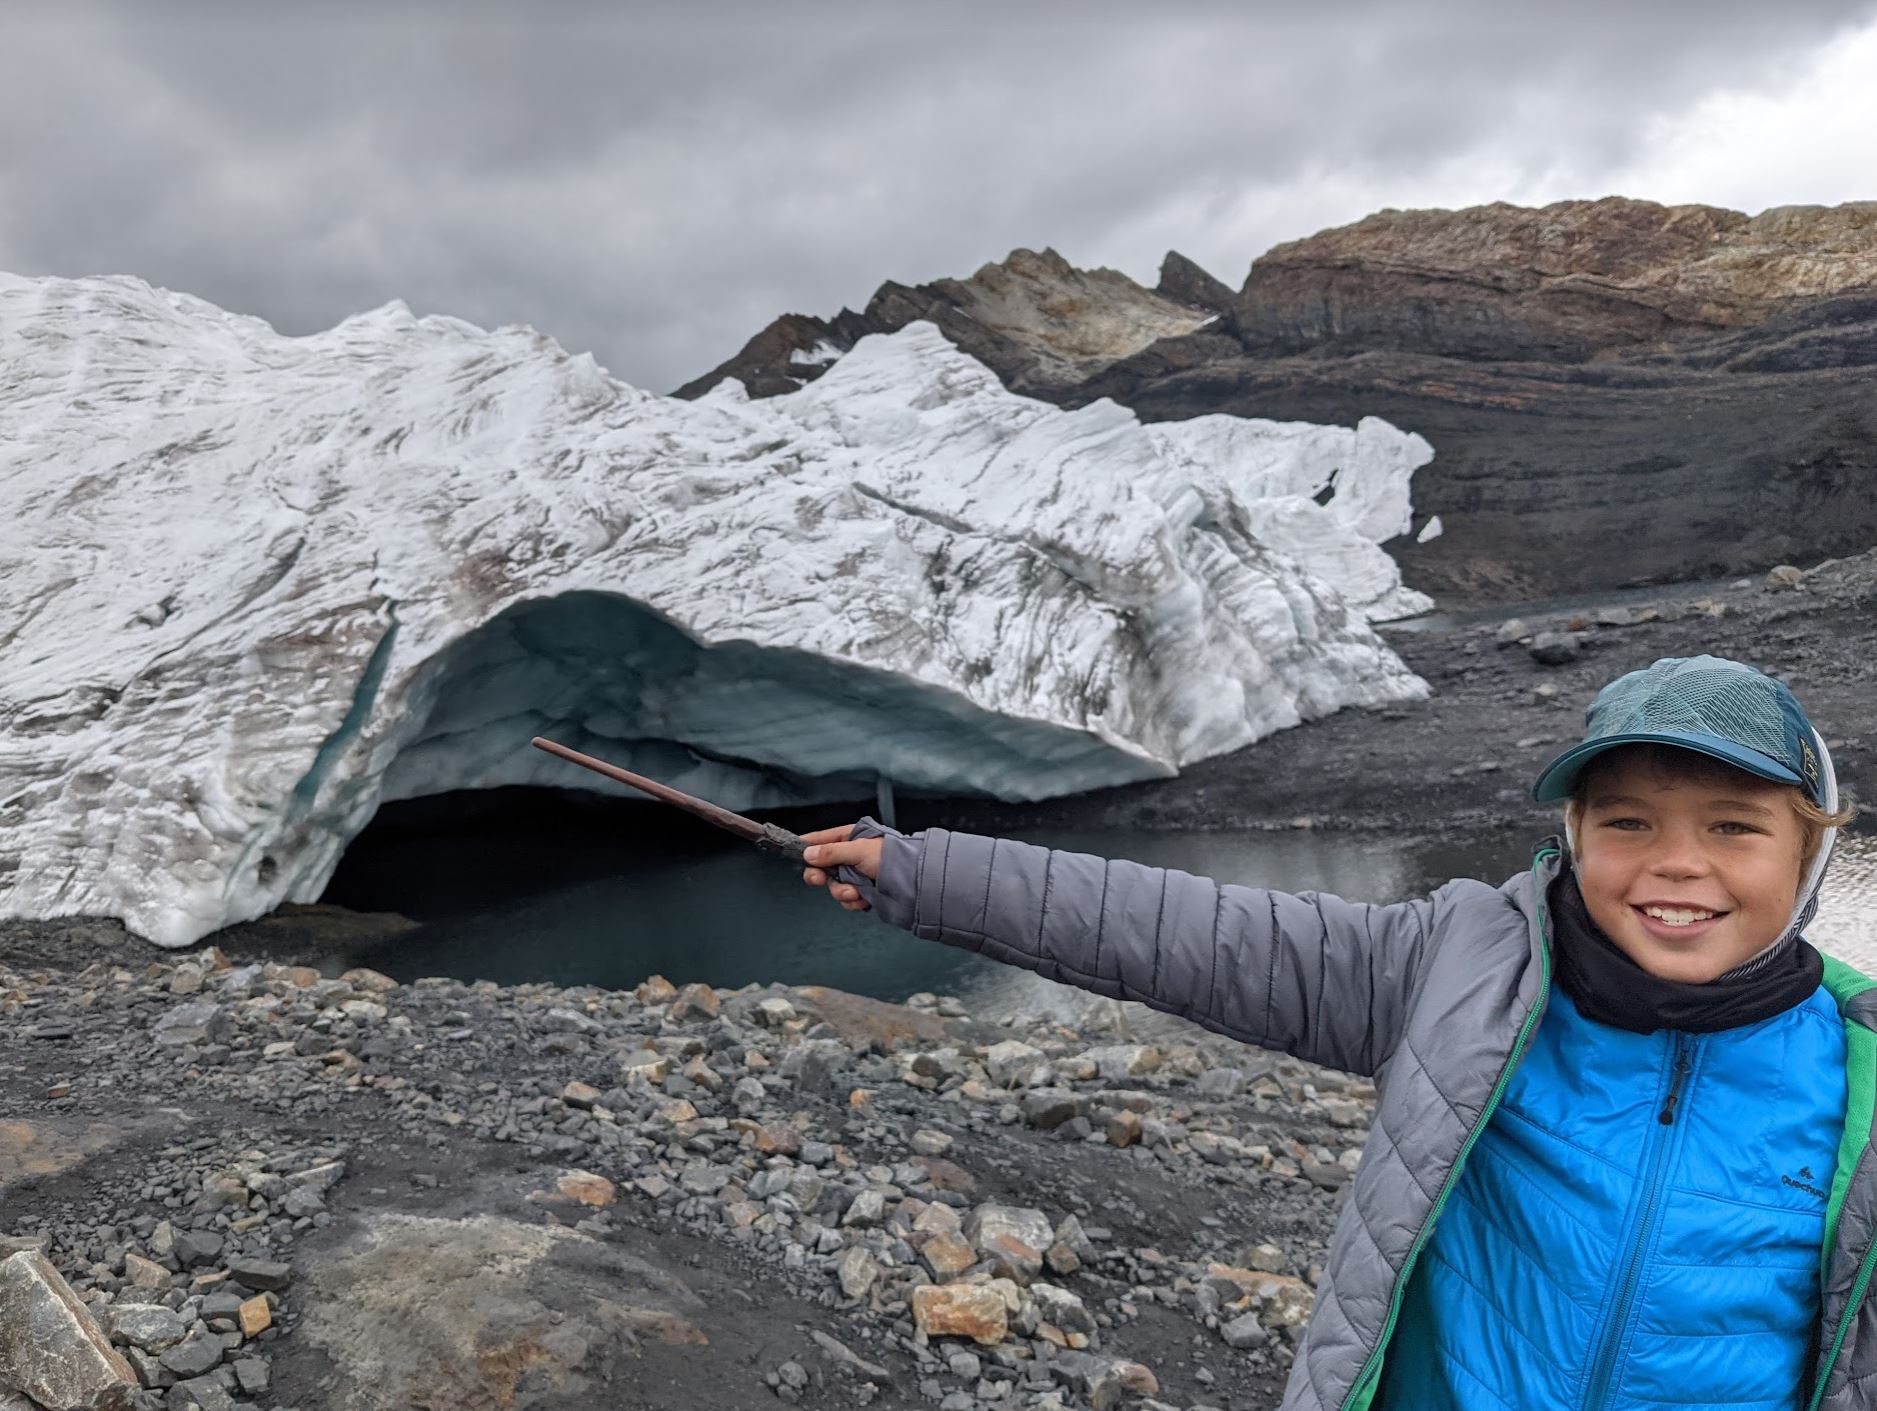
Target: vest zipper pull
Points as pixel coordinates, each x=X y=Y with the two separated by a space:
x=1682 y=1064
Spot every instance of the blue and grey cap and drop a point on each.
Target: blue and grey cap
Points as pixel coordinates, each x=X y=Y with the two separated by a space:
x=1707 y=704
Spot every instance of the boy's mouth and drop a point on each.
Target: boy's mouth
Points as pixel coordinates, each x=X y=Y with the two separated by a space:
x=1679 y=923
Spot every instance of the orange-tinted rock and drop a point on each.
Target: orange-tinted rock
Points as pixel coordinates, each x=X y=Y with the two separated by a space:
x=1281 y=1300
x=960 y=1310
x=695 y=1001
x=947 y=1255
x=656 y=989
x=587 y=1188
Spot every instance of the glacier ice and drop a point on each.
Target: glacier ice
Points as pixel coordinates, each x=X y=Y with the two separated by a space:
x=251 y=586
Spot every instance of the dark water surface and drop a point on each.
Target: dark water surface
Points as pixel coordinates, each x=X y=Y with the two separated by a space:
x=583 y=895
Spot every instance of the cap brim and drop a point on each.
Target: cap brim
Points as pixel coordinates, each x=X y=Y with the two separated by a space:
x=1561 y=774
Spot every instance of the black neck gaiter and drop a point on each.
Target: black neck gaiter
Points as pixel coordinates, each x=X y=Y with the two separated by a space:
x=1610 y=988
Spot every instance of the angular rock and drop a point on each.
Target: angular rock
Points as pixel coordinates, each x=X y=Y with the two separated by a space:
x=695 y=1001
x=201 y=1021
x=144 y=1273
x=858 y=1270
x=1280 y=1300
x=704 y=1180
x=196 y=1247
x=302 y=1201
x=652 y=1067
x=990 y=1222
x=562 y=1020
x=867 y=1210
x=149 y=1326
x=1098 y=1379
x=252 y=1375
x=947 y=1255
x=1048 y=1108
x=320 y=1178
x=774 y=1012
x=266 y=1275
x=1123 y=1129
x=1011 y=1062
x=194 y=1357
x=205 y=1393
x=845 y=1356
x=1117 y=1061
x=1220 y=1083
x=1265 y=1258
x=1244 y=1331
x=937 y=1219
x=586 y=1188
x=1555 y=648
x=654 y=989
x=975 y=1311
x=580 y=1095
x=1063 y=1308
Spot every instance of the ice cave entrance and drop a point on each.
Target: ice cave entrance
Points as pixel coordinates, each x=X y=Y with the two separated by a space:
x=521 y=867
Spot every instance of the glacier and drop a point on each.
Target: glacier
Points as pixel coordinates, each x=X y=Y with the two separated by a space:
x=252 y=586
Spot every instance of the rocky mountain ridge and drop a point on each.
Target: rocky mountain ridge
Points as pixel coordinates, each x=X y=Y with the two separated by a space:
x=1671 y=392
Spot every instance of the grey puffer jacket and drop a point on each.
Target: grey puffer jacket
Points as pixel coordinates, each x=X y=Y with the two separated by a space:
x=1435 y=999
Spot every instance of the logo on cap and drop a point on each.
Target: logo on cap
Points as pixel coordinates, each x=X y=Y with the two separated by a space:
x=1808 y=762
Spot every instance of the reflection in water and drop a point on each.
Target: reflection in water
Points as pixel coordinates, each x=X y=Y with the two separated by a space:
x=1847 y=913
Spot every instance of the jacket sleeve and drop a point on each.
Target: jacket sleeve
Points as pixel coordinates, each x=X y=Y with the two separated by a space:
x=1313 y=975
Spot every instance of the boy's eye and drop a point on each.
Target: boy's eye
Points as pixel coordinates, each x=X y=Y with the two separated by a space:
x=1629 y=824
x=1737 y=828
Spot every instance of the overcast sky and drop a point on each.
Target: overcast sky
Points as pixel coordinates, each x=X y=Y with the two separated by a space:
x=653 y=183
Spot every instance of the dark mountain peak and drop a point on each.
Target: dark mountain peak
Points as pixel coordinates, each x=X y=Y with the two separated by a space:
x=1035 y=319
x=1185 y=282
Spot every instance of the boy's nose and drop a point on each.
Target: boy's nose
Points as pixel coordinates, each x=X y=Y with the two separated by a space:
x=1678 y=855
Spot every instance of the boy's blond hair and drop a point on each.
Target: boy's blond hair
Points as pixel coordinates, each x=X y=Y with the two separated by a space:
x=1681 y=763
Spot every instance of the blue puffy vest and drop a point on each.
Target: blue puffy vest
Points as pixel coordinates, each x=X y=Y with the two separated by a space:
x=1639 y=1225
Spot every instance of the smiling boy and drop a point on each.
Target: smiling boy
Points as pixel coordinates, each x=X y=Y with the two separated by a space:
x=1621 y=1150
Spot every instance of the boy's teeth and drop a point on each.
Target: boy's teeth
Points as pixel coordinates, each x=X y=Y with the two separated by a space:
x=1679 y=916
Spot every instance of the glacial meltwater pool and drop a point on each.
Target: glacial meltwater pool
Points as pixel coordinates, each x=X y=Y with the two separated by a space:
x=542 y=900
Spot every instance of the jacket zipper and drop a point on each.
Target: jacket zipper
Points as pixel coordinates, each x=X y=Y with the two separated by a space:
x=1844 y=1324
x=1360 y=1389
x=1603 y=1364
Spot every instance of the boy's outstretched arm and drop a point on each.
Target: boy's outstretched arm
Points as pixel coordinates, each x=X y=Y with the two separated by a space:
x=1313 y=975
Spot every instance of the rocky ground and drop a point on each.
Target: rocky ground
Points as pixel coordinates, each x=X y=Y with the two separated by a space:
x=267 y=1186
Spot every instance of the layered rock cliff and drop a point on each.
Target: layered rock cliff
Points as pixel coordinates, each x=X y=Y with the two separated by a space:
x=1618 y=392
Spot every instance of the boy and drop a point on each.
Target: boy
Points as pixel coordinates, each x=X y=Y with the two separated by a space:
x=1621 y=1150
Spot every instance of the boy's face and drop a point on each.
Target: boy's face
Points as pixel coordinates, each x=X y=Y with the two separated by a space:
x=1689 y=874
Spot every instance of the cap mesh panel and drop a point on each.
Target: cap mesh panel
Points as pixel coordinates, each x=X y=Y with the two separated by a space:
x=1744 y=709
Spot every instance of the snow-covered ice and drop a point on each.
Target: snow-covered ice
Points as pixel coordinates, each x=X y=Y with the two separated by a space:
x=251 y=586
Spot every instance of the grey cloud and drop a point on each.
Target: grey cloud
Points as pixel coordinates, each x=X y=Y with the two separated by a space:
x=654 y=184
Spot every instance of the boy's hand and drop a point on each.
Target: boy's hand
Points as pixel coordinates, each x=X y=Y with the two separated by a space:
x=828 y=848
